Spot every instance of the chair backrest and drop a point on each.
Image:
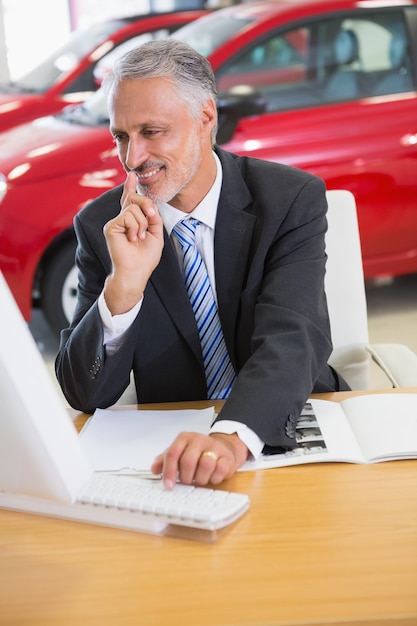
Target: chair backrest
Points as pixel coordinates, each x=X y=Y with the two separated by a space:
x=343 y=82
x=398 y=79
x=345 y=290
x=346 y=48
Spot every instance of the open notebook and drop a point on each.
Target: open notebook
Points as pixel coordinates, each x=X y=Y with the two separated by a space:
x=44 y=468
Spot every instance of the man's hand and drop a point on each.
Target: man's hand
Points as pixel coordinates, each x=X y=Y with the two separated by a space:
x=200 y=459
x=135 y=241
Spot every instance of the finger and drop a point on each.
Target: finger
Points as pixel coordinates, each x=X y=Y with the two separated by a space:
x=153 y=221
x=130 y=198
x=130 y=223
x=129 y=187
x=140 y=203
x=206 y=466
x=224 y=469
x=157 y=465
x=146 y=215
x=181 y=459
x=187 y=462
x=170 y=461
x=136 y=223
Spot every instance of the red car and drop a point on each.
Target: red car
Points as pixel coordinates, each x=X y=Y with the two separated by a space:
x=328 y=86
x=75 y=71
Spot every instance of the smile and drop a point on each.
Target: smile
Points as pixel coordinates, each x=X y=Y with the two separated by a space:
x=142 y=177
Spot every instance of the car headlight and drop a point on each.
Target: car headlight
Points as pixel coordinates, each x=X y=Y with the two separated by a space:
x=3 y=186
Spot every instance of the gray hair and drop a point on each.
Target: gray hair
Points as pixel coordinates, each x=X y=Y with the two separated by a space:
x=190 y=72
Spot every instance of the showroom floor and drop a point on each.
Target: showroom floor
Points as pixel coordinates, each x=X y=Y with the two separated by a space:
x=392 y=317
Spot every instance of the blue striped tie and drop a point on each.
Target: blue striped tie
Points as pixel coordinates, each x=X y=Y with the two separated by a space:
x=219 y=370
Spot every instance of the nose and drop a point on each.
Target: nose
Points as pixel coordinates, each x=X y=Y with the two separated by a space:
x=136 y=153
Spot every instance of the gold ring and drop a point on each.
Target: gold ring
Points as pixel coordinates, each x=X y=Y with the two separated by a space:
x=210 y=453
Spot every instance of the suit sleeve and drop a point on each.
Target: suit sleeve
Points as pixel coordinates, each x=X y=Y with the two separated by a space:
x=88 y=377
x=284 y=312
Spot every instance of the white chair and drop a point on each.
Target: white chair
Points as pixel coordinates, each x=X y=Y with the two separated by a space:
x=345 y=290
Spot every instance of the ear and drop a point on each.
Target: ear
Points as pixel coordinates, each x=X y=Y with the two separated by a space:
x=208 y=118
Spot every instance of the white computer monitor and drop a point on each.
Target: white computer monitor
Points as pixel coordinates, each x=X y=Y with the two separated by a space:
x=40 y=453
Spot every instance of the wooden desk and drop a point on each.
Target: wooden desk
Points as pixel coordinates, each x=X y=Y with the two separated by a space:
x=331 y=544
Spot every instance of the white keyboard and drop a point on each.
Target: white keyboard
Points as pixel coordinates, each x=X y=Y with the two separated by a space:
x=184 y=505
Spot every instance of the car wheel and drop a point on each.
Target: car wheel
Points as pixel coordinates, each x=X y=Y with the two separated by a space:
x=59 y=288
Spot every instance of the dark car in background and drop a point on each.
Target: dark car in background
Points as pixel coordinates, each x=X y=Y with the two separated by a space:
x=75 y=71
x=327 y=86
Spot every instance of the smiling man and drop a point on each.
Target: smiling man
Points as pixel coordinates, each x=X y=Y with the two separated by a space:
x=203 y=275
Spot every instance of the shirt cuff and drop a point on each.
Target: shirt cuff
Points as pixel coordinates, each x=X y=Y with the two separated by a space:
x=115 y=327
x=251 y=440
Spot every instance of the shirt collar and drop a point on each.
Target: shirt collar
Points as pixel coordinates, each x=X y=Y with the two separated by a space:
x=205 y=212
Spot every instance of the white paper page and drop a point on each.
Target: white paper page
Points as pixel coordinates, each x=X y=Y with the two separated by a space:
x=115 y=439
x=385 y=424
x=327 y=438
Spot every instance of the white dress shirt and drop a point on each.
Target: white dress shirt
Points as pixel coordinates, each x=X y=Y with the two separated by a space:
x=115 y=327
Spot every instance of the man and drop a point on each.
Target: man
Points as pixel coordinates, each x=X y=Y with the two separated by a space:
x=260 y=232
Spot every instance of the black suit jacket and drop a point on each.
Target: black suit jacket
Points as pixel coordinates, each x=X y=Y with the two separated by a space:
x=269 y=265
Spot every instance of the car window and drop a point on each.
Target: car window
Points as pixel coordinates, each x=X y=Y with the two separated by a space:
x=279 y=59
x=80 y=43
x=333 y=60
x=363 y=56
x=94 y=110
x=210 y=32
x=93 y=76
x=278 y=67
x=104 y=65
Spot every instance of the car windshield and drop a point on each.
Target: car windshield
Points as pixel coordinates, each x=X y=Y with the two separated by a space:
x=93 y=112
x=209 y=33
x=79 y=44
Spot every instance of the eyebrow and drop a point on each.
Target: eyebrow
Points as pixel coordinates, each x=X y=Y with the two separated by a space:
x=140 y=127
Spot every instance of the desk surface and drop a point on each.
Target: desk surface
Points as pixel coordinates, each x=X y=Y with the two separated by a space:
x=321 y=544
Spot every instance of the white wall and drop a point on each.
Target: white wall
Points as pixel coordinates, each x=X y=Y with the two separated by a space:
x=32 y=28
x=86 y=12
x=4 y=68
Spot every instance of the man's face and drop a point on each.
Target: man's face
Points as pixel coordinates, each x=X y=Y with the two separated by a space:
x=156 y=136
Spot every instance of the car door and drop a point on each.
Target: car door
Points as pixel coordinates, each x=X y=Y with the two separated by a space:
x=343 y=106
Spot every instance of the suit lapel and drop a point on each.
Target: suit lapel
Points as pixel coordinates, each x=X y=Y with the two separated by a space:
x=233 y=236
